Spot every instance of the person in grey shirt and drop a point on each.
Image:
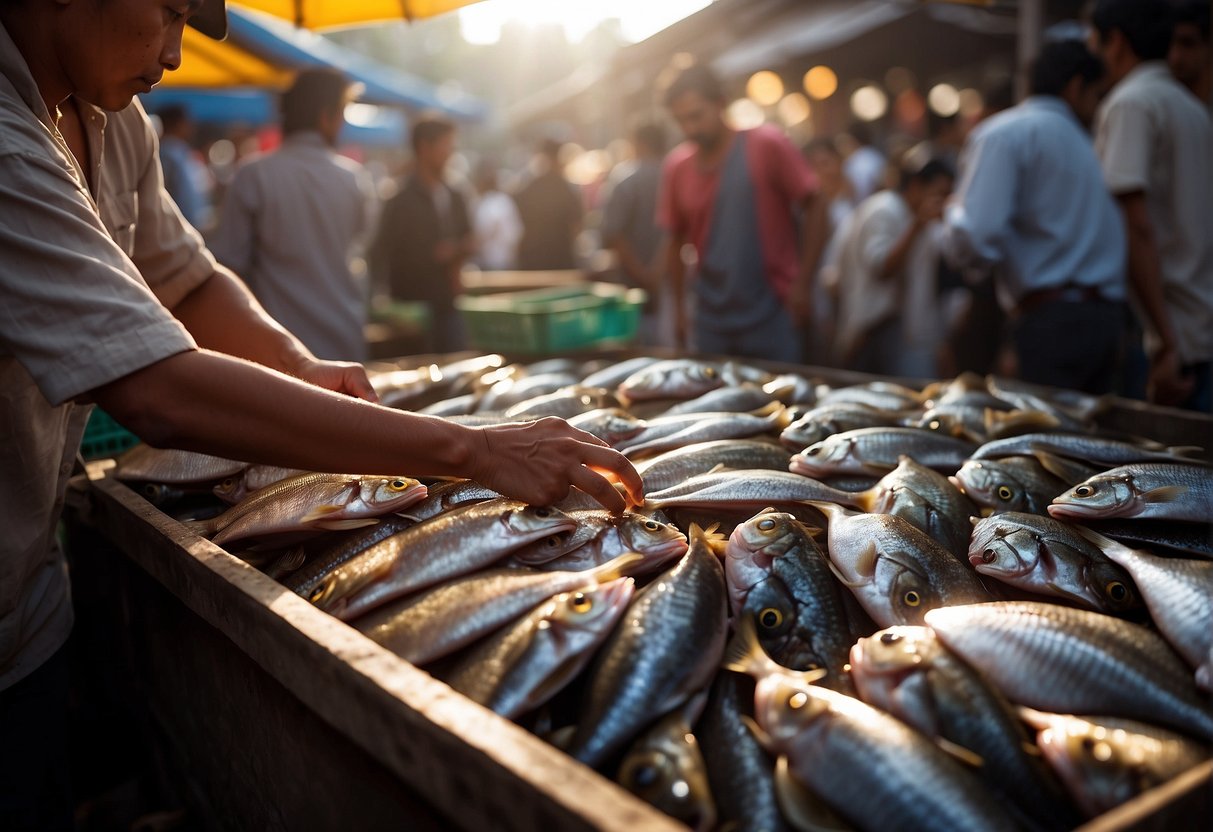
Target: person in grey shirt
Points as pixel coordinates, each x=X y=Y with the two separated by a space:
x=1032 y=200
x=293 y=219
x=630 y=230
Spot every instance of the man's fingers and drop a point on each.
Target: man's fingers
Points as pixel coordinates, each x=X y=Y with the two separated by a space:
x=611 y=460
x=598 y=487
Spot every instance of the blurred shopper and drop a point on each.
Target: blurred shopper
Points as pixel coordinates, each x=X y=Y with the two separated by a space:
x=425 y=235
x=186 y=176
x=1155 y=143
x=887 y=261
x=1190 y=58
x=1032 y=203
x=865 y=167
x=293 y=218
x=551 y=211
x=495 y=222
x=732 y=195
x=630 y=229
x=825 y=160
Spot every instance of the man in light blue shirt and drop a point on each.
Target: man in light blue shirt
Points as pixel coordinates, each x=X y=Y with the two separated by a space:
x=1032 y=200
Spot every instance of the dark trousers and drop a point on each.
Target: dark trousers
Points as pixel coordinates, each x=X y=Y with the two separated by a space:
x=1072 y=344
x=35 y=768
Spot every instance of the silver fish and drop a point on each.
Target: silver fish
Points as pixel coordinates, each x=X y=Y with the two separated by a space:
x=612 y=425
x=908 y=673
x=791 y=388
x=521 y=667
x=1016 y=483
x=704 y=427
x=254 y=478
x=565 y=403
x=740 y=489
x=1160 y=491
x=1093 y=449
x=322 y=561
x=927 y=500
x=896 y=572
x=601 y=536
x=680 y=464
x=438 y=621
x=665 y=768
x=1073 y=661
x=455 y=543
x=1179 y=594
x=613 y=375
x=664 y=651
x=1106 y=762
x=828 y=419
x=511 y=391
x=680 y=378
x=741 y=399
x=143 y=463
x=1048 y=557
x=454 y=406
x=880 y=395
x=876 y=451
x=1159 y=536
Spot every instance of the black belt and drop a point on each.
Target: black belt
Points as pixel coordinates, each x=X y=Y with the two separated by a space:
x=1058 y=294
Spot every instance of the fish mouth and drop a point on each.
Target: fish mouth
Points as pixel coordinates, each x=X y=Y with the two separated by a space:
x=413 y=494
x=800 y=464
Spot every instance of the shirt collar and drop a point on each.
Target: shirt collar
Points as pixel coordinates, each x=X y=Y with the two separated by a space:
x=1051 y=103
x=306 y=138
x=1145 y=70
x=15 y=68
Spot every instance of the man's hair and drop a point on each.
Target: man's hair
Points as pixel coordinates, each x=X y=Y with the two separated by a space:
x=172 y=117
x=1060 y=61
x=315 y=93
x=1146 y=24
x=696 y=78
x=1194 y=13
x=429 y=129
x=925 y=173
x=650 y=134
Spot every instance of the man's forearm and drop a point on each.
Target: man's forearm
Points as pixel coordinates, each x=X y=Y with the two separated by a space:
x=1145 y=277
x=815 y=232
x=223 y=316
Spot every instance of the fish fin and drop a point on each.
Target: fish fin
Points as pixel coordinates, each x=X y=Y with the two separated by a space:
x=842 y=579
x=1192 y=451
x=1054 y=464
x=319 y=513
x=986 y=511
x=832 y=511
x=717 y=468
x=1019 y=421
x=866 y=500
x=202 y=528
x=764 y=739
x=801 y=807
x=343 y=525
x=1101 y=542
x=959 y=752
x=744 y=654
x=1165 y=493
x=288 y=563
x=614 y=568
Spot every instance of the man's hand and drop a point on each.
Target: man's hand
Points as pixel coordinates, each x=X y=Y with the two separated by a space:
x=339 y=376
x=538 y=462
x=1166 y=385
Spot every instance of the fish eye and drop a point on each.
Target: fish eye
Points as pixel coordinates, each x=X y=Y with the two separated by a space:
x=581 y=602
x=1004 y=492
x=912 y=598
x=989 y=556
x=319 y=593
x=1084 y=491
x=813 y=451
x=553 y=542
x=798 y=700
x=398 y=485
x=890 y=638
x=766 y=524
x=228 y=484
x=543 y=512
x=652 y=525
x=1117 y=591
x=934 y=424
x=770 y=618
x=709 y=372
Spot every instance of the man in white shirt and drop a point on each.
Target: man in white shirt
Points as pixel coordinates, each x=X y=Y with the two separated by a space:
x=1155 y=144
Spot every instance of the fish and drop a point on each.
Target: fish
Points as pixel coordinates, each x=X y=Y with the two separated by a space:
x=896 y=572
x=304 y=580
x=614 y=374
x=1097 y=450
x=879 y=395
x=791 y=388
x=664 y=651
x=825 y=420
x=680 y=378
x=454 y=543
x=907 y=672
x=565 y=403
x=1161 y=537
x=1160 y=491
x=703 y=427
x=872 y=769
x=1028 y=396
x=1015 y=483
x=1179 y=595
x=740 y=771
x=312 y=501
x=436 y=622
x=680 y=464
x=1048 y=557
x=745 y=489
x=168 y=466
x=612 y=424
x=1068 y=660
x=926 y=499
x=1107 y=762
x=665 y=768
x=743 y=398
x=601 y=536
x=877 y=450
x=511 y=391
x=454 y=406
x=254 y=478
x=777 y=576
x=522 y=666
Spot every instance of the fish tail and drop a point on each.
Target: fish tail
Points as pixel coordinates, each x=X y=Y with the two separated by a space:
x=614 y=568
x=202 y=528
x=744 y=654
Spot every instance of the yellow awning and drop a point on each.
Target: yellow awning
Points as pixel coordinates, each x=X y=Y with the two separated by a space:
x=330 y=14
x=221 y=64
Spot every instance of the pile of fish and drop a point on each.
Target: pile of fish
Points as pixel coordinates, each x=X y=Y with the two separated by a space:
x=865 y=607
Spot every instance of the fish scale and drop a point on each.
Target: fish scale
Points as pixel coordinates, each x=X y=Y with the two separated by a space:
x=1073 y=661
x=678 y=465
x=667 y=648
x=737 y=488
x=1130 y=491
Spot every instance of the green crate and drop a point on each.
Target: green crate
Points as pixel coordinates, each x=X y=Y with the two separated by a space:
x=104 y=437
x=550 y=320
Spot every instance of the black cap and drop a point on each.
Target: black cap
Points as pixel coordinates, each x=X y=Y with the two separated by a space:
x=211 y=19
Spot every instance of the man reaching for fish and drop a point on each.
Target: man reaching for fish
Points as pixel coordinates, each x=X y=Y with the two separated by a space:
x=109 y=297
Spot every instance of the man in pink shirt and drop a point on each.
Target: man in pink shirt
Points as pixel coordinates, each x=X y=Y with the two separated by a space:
x=733 y=196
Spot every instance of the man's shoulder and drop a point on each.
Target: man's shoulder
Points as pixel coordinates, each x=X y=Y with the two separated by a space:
x=768 y=135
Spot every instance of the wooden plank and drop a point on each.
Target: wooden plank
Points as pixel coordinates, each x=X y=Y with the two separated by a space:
x=491 y=773
x=1183 y=803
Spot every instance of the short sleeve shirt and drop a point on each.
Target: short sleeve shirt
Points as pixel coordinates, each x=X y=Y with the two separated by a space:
x=85 y=285
x=781 y=179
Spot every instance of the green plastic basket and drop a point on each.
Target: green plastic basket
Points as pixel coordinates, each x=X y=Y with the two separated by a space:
x=104 y=437
x=554 y=320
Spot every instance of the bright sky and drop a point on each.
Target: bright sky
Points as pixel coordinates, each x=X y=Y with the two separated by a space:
x=482 y=22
